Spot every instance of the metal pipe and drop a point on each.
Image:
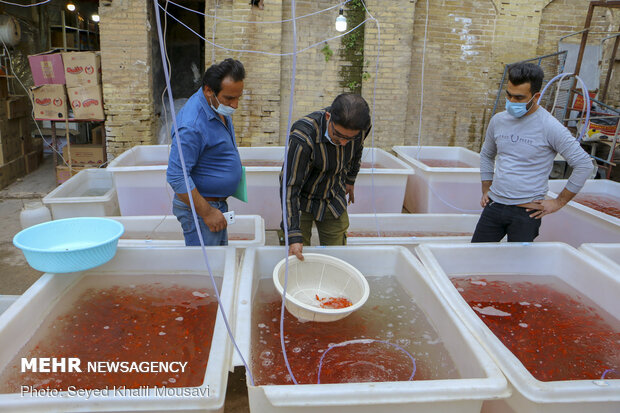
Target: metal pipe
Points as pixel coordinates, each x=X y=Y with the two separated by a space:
x=582 y=49
x=610 y=68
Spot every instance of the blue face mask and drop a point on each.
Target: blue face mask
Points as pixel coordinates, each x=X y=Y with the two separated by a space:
x=328 y=137
x=517 y=109
x=223 y=109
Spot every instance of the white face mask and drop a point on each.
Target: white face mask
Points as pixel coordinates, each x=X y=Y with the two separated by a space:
x=329 y=138
x=223 y=109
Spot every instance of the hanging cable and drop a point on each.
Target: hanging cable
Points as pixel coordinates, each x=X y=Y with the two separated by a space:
x=25 y=5
x=417 y=156
x=340 y=4
x=284 y=186
x=191 y=200
x=213 y=32
x=586 y=97
x=372 y=119
x=259 y=51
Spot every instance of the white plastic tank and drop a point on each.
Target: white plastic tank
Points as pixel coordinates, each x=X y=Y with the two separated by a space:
x=34 y=212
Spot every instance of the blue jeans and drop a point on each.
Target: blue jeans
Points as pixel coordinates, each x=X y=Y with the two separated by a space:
x=498 y=220
x=184 y=214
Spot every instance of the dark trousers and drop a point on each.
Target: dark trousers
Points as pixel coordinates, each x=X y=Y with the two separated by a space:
x=498 y=220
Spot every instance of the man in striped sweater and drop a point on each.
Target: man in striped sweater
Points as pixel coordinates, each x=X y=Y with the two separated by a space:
x=324 y=157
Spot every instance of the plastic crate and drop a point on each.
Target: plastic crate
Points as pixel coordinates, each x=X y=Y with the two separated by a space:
x=607 y=255
x=480 y=378
x=90 y=193
x=388 y=189
x=432 y=223
x=600 y=187
x=557 y=259
x=140 y=180
x=442 y=189
x=6 y=301
x=166 y=231
x=22 y=320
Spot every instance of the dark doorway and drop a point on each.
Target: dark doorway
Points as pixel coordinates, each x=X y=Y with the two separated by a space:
x=185 y=49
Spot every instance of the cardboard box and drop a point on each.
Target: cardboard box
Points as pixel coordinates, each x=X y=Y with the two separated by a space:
x=82 y=68
x=24 y=127
x=4 y=86
x=84 y=155
x=11 y=171
x=47 y=68
x=63 y=173
x=17 y=107
x=10 y=140
x=50 y=102
x=96 y=135
x=10 y=149
x=32 y=160
x=86 y=102
x=28 y=143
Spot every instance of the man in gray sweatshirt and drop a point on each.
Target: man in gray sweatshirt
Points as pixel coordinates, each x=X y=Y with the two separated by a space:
x=516 y=159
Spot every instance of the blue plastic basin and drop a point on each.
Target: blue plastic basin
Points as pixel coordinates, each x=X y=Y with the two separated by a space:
x=69 y=245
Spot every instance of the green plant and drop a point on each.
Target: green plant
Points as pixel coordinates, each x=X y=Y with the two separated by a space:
x=327 y=52
x=352 y=49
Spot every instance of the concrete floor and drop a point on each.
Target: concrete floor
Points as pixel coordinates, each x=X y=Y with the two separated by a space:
x=16 y=275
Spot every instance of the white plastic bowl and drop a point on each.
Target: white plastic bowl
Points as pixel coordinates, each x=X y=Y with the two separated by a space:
x=323 y=276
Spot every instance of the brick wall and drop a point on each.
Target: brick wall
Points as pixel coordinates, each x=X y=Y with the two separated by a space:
x=460 y=75
x=258 y=118
x=393 y=91
x=317 y=82
x=468 y=44
x=127 y=78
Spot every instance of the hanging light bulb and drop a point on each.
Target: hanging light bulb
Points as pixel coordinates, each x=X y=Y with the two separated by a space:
x=70 y=6
x=341 y=22
x=95 y=18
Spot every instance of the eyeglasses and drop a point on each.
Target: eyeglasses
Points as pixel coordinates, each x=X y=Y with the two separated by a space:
x=341 y=136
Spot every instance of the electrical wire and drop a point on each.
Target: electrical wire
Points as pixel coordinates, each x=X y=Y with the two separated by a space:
x=586 y=97
x=191 y=200
x=372 y=119
x=339 y=5
x=422 y=84
x=25 y=5
x=213 y=32
x=283 y=189
x=259 y=51
x=294 y=54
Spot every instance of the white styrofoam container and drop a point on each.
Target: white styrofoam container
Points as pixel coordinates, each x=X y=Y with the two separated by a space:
x=607 y=255
x=165 y=231
x=411 y=222
x=6 y=301
x=481 y=377
x=264 y=184
x=140 y=180
x=21 y=320
x=90 y=193
x=536 y=259
x=603 y=187
x=576 y=226
x=439 y=189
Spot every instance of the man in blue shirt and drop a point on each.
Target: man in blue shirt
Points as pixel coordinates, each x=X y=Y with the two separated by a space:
x=210 y=152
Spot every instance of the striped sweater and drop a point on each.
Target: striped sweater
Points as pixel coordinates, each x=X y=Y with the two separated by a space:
x=317 y=172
